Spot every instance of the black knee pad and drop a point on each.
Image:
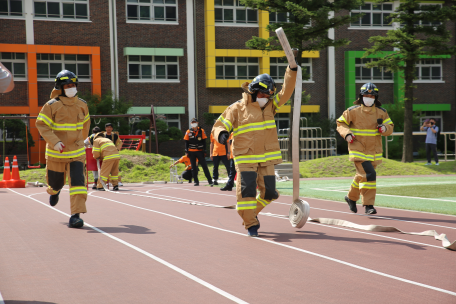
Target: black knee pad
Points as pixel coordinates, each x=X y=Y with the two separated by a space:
x=56 y=179
x=248 y=184
x=77 y=174
x=371 y=175
x=270 y=188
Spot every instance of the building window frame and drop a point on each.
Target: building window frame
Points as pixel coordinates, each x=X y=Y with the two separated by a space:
x=8 y=13
x=428 y=23
x=236 y=64
x=370 y=12
x=152 y=8
x=379 y=75
x=436 y=115
x=148 y=68
x=429 y=66
x=82 y=63
x=278 y=66
x=15 y=62
x=173 y=119
x=233 y=13
x=63 y=10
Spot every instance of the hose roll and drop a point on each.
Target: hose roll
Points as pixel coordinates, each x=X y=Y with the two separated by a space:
x=299 y=213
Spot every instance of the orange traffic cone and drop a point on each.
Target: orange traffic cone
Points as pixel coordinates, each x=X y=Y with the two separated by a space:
x=15 y=181
x=6 y=174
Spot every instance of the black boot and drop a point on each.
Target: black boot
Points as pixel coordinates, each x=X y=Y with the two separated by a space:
x=54 y=199
x=94 y=187
x=196 y=183
x=227 y=188
x=215 y=182
x=115 y=188
x=190 y=181
x=370 y=209
x=351 y=204
x=75 y=221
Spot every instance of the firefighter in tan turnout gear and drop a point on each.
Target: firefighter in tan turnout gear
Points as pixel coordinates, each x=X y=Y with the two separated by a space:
x=104 y=149
x=255 y=147
x=362 y=127
x=64 y=123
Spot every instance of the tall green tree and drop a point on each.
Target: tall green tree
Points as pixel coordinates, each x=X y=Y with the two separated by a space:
x=420 y=33
x=301 y=14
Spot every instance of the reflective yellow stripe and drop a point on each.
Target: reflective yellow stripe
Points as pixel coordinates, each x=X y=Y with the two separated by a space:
x=355 y=184
x=368 y=185
x=59 y=127
x=104 y=178
x=378 y=156
x=246 y=205
x=388 y=121
x=114 y=177
x=86 y=118
x=342 y=119
x=263 y=85
x=361 y=155
x=78 y=190
x=95 y=149
x=226 y=123
x=276 y=101
x=106 y=145
x=365 y=132
x=69 y=154
x=46 y=120
x=63 y=78
x=111 y=156
x=251 y=159
x=262 y=201
x=256 y=126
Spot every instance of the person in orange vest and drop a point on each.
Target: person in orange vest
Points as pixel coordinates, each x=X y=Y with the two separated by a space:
x=217 y=154
x=232 y=169
x=64 y=122
x=187 y=173
x=195 y=146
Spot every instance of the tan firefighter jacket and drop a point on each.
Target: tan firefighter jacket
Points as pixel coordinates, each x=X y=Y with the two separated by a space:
x=254 y=129
x=104 y=148
x=361 y=121
x=67 y=120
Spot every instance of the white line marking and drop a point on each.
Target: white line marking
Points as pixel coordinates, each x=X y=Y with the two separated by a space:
x=407 y=184
x=294 y=248
x=1 y=299
x=415 y=197
x=163 y=262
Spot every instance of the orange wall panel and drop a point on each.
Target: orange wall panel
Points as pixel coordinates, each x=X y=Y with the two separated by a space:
x=85 y=50
x=57 y=49
x=43 y=49
x=71 y=50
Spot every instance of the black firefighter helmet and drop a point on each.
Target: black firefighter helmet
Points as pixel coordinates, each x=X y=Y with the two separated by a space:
x=369 y=88
x=65 y=77
x=263 y=83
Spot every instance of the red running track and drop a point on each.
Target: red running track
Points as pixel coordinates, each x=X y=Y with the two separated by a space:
x=157 y=248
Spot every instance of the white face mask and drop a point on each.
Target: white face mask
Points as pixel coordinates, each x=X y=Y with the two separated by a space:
x=194 y=125
x=368 y=102
x=262 y=101
x=71 y=92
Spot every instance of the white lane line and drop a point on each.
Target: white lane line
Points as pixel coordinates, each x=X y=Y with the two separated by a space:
x=176 y=199
x=294 y=248
x=415 y=197
x=375 y=216
x=161 y=261
x=407 y=184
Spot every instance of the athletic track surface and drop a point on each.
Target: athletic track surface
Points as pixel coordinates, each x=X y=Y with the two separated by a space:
x=157 y=248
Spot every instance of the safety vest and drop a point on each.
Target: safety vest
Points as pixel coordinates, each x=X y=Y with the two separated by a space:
x=195 y=139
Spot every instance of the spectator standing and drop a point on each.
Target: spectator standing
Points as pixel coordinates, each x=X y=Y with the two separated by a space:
x=218 y=153
x=431 y=140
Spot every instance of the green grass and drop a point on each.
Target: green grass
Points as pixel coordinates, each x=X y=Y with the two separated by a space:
x=339 y=166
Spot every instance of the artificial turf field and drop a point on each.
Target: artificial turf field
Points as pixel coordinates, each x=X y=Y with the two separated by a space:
x=431 y=194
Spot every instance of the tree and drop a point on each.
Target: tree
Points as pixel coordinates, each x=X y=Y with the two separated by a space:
x=422 y=34
x=107 y=105
x=15 y=130
x=299 y=33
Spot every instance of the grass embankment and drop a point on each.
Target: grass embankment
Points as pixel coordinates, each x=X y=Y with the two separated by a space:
x=340 y=166
x=134 y=167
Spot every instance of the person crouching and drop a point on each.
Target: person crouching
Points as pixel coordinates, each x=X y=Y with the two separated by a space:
x=104 y=149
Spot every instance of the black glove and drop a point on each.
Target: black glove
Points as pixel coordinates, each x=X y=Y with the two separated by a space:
x=296 y=68
x=223 y=137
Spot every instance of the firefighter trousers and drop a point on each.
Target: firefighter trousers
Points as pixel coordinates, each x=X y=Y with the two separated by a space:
x=109 y=170
x=364 y=183
x=249 y=204
x=56 y=174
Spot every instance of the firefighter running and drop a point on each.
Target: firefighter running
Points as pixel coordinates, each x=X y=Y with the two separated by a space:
x=255 y=146
x=362 y=127
x=64 y=123
x=105 y=150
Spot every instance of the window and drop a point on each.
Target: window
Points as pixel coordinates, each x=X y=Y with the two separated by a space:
x=429 y=69
x=282 y=122
x=232 y=11
x=72 y=9
x=15 y=63
x=11 y=8
x=426 y=7
x=152 y=10
x=153 y=68
x=172 y=120
x=370 y=74
x=49 y=65
x=236 y=67
x=280 y=17
x=279 y=66
x=374 y=15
